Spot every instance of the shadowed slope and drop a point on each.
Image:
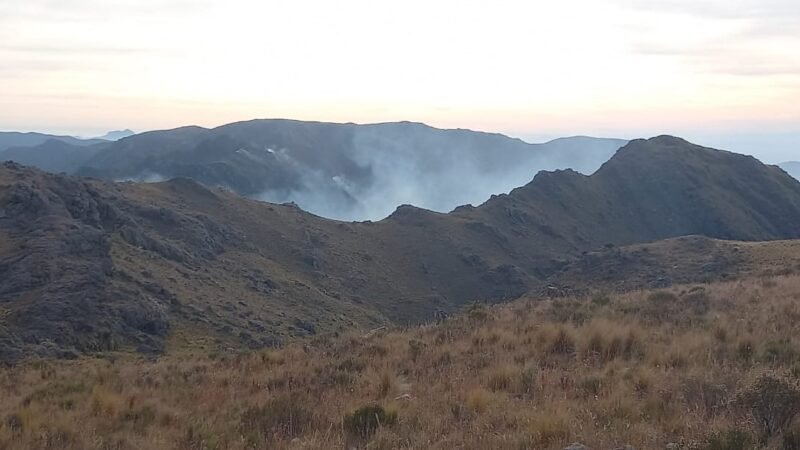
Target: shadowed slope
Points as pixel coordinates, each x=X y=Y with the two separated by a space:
x=90 y=265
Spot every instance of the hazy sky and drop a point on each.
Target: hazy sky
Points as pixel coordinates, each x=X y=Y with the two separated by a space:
x=720 y=72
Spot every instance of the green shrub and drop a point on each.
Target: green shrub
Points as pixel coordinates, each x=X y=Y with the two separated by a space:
x=366 y=420
x=730 y=440
x=773 y=402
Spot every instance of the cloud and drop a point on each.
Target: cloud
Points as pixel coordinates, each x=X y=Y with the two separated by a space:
x=747 y=38
x=97 y=10
x=720 y=9
x=733 y=60
x=72 y=50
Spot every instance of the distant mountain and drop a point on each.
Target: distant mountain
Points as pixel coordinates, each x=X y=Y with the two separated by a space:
x=14 y=139
x=792 y=168
x=53 y=155
x=88 y=265
x=346 y=171
x=116 y=135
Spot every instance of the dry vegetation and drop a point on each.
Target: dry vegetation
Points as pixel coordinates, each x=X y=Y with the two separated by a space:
x=703 y=367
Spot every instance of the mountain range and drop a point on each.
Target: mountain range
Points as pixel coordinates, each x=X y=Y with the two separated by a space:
x=91 y=265
x=14 y=139
x=53 y=153
x=340 y=171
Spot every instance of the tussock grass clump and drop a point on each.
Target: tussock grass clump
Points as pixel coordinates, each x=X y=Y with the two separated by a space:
x=283 y=416
x=547 y=429
x=563 y=343
x=502 y=378
x=479 y=400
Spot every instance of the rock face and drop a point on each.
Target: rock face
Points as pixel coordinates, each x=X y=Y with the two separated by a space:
x=88 y=265
x=58 y=283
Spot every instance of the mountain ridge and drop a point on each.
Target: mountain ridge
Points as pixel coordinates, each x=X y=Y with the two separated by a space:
x=87 y=265
x=343 y=170
x=12 y=139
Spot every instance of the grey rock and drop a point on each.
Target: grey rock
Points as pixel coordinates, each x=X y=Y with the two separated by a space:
x=576 y=446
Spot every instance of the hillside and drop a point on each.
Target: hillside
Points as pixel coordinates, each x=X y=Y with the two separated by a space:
x=704 y=367
x=53 y=155
x=346 y=171
x=653 y=189
x=12 y=139
x=87 y=265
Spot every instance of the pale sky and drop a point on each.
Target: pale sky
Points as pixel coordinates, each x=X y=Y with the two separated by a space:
x=723 y=73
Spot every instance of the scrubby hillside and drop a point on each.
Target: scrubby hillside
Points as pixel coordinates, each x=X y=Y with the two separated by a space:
x=692 y=367
x=88 y=266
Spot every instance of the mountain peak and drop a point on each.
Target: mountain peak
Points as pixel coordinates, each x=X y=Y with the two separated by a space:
x=117 y=135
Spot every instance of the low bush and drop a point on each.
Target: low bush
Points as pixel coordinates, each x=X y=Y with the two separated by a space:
x=366 y=420
x=730 y=440
x=773 y=401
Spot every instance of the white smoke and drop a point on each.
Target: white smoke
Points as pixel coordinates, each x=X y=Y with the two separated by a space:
x=143 y=177
x=436 y=170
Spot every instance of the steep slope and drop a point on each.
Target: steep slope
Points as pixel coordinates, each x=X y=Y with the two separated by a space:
x=652 y=189
x=346 y=171
x=792 y=168
x=90 y=265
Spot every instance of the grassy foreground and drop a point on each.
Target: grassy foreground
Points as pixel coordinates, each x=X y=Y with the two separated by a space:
x=695 y=367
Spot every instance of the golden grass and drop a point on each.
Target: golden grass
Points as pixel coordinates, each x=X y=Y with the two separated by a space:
x=644 y=369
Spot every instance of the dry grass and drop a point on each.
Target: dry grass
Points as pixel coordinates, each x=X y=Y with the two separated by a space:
x=686 y=366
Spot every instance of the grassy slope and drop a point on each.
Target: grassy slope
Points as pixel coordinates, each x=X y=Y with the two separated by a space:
x=644 y=368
